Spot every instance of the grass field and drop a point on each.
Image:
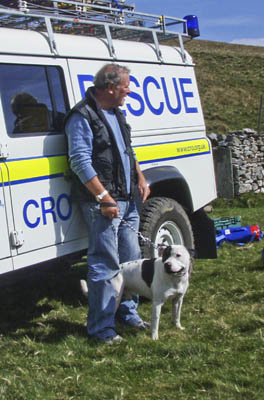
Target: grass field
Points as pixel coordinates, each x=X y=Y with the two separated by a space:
x=45 y=354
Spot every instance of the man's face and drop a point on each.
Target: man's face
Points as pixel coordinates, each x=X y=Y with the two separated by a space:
x=120 y=91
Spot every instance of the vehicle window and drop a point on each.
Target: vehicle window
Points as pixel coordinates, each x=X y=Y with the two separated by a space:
x=33 y=98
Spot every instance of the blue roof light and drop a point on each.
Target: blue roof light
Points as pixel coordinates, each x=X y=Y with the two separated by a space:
x=192 y=26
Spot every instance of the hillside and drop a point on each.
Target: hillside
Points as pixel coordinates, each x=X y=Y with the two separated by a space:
x=231 y=80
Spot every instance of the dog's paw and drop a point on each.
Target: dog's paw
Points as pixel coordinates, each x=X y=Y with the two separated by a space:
x=178 y=325
x=155 y=336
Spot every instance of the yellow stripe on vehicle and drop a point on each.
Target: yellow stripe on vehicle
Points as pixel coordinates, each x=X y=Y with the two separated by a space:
x=158 y=152
x=32 y=169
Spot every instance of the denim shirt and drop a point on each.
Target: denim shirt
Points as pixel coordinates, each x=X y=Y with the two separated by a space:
x=80 y=147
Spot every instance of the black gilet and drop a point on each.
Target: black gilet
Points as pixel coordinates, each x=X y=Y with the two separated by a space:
x=106 y=159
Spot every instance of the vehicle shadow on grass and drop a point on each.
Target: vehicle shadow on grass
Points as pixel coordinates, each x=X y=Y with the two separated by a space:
x=33 y=303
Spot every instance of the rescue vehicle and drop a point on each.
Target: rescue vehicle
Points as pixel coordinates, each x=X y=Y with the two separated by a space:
x=49 y=54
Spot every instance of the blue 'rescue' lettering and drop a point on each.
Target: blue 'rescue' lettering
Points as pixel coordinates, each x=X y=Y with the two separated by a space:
x=185 y=95
x=47 y=210
x=83 y=79
x=153 y=89
x=147 y=81
x=173 y=110
x=140 y=110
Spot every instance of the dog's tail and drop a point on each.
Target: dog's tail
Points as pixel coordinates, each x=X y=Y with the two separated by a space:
x=84 y=287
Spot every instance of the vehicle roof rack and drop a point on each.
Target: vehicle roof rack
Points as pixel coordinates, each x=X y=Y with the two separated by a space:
x=99 y=18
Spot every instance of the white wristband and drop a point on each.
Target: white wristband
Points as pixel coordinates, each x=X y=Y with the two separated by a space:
x=99 y=197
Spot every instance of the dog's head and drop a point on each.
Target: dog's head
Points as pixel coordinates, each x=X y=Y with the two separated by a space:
x=177 y=260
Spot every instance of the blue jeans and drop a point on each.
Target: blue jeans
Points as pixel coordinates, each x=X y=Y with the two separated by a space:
x=111 y=242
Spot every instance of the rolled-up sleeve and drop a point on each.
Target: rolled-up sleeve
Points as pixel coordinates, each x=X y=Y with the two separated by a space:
x=80 y=147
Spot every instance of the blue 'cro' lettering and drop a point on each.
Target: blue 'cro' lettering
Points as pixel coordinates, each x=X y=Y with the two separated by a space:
x=82 y=79
x=137 y=97
x=49 y=210
x=60 y=208
x=147 y=81
x=188 y=81
x=177 y=109
x=25 y=214
x=60 y=199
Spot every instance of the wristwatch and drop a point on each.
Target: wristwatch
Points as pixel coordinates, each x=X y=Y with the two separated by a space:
x=100 y=196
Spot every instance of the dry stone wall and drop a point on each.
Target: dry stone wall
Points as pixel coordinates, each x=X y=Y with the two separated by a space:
x=247 y=159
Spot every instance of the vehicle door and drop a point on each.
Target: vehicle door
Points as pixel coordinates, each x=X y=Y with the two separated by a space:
x=5 y=251
x=35 y=101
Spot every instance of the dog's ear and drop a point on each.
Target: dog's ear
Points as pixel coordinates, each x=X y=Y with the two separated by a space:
x=192 y=252
x=166 y=253
x=161 y=250
x=191 y=266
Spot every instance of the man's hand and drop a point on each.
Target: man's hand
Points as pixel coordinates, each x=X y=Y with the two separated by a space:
x=143 y=187
x=96 y=187
x=109 y=212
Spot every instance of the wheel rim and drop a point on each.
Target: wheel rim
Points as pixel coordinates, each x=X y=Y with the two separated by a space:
x=168 y=234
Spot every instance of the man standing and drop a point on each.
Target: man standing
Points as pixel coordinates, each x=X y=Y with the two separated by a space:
x=106 y=176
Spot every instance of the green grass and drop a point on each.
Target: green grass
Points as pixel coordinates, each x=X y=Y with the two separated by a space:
x=45 y=353
x=230 y=81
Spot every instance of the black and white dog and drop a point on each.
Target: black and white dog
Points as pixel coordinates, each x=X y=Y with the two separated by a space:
x=157 y=279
